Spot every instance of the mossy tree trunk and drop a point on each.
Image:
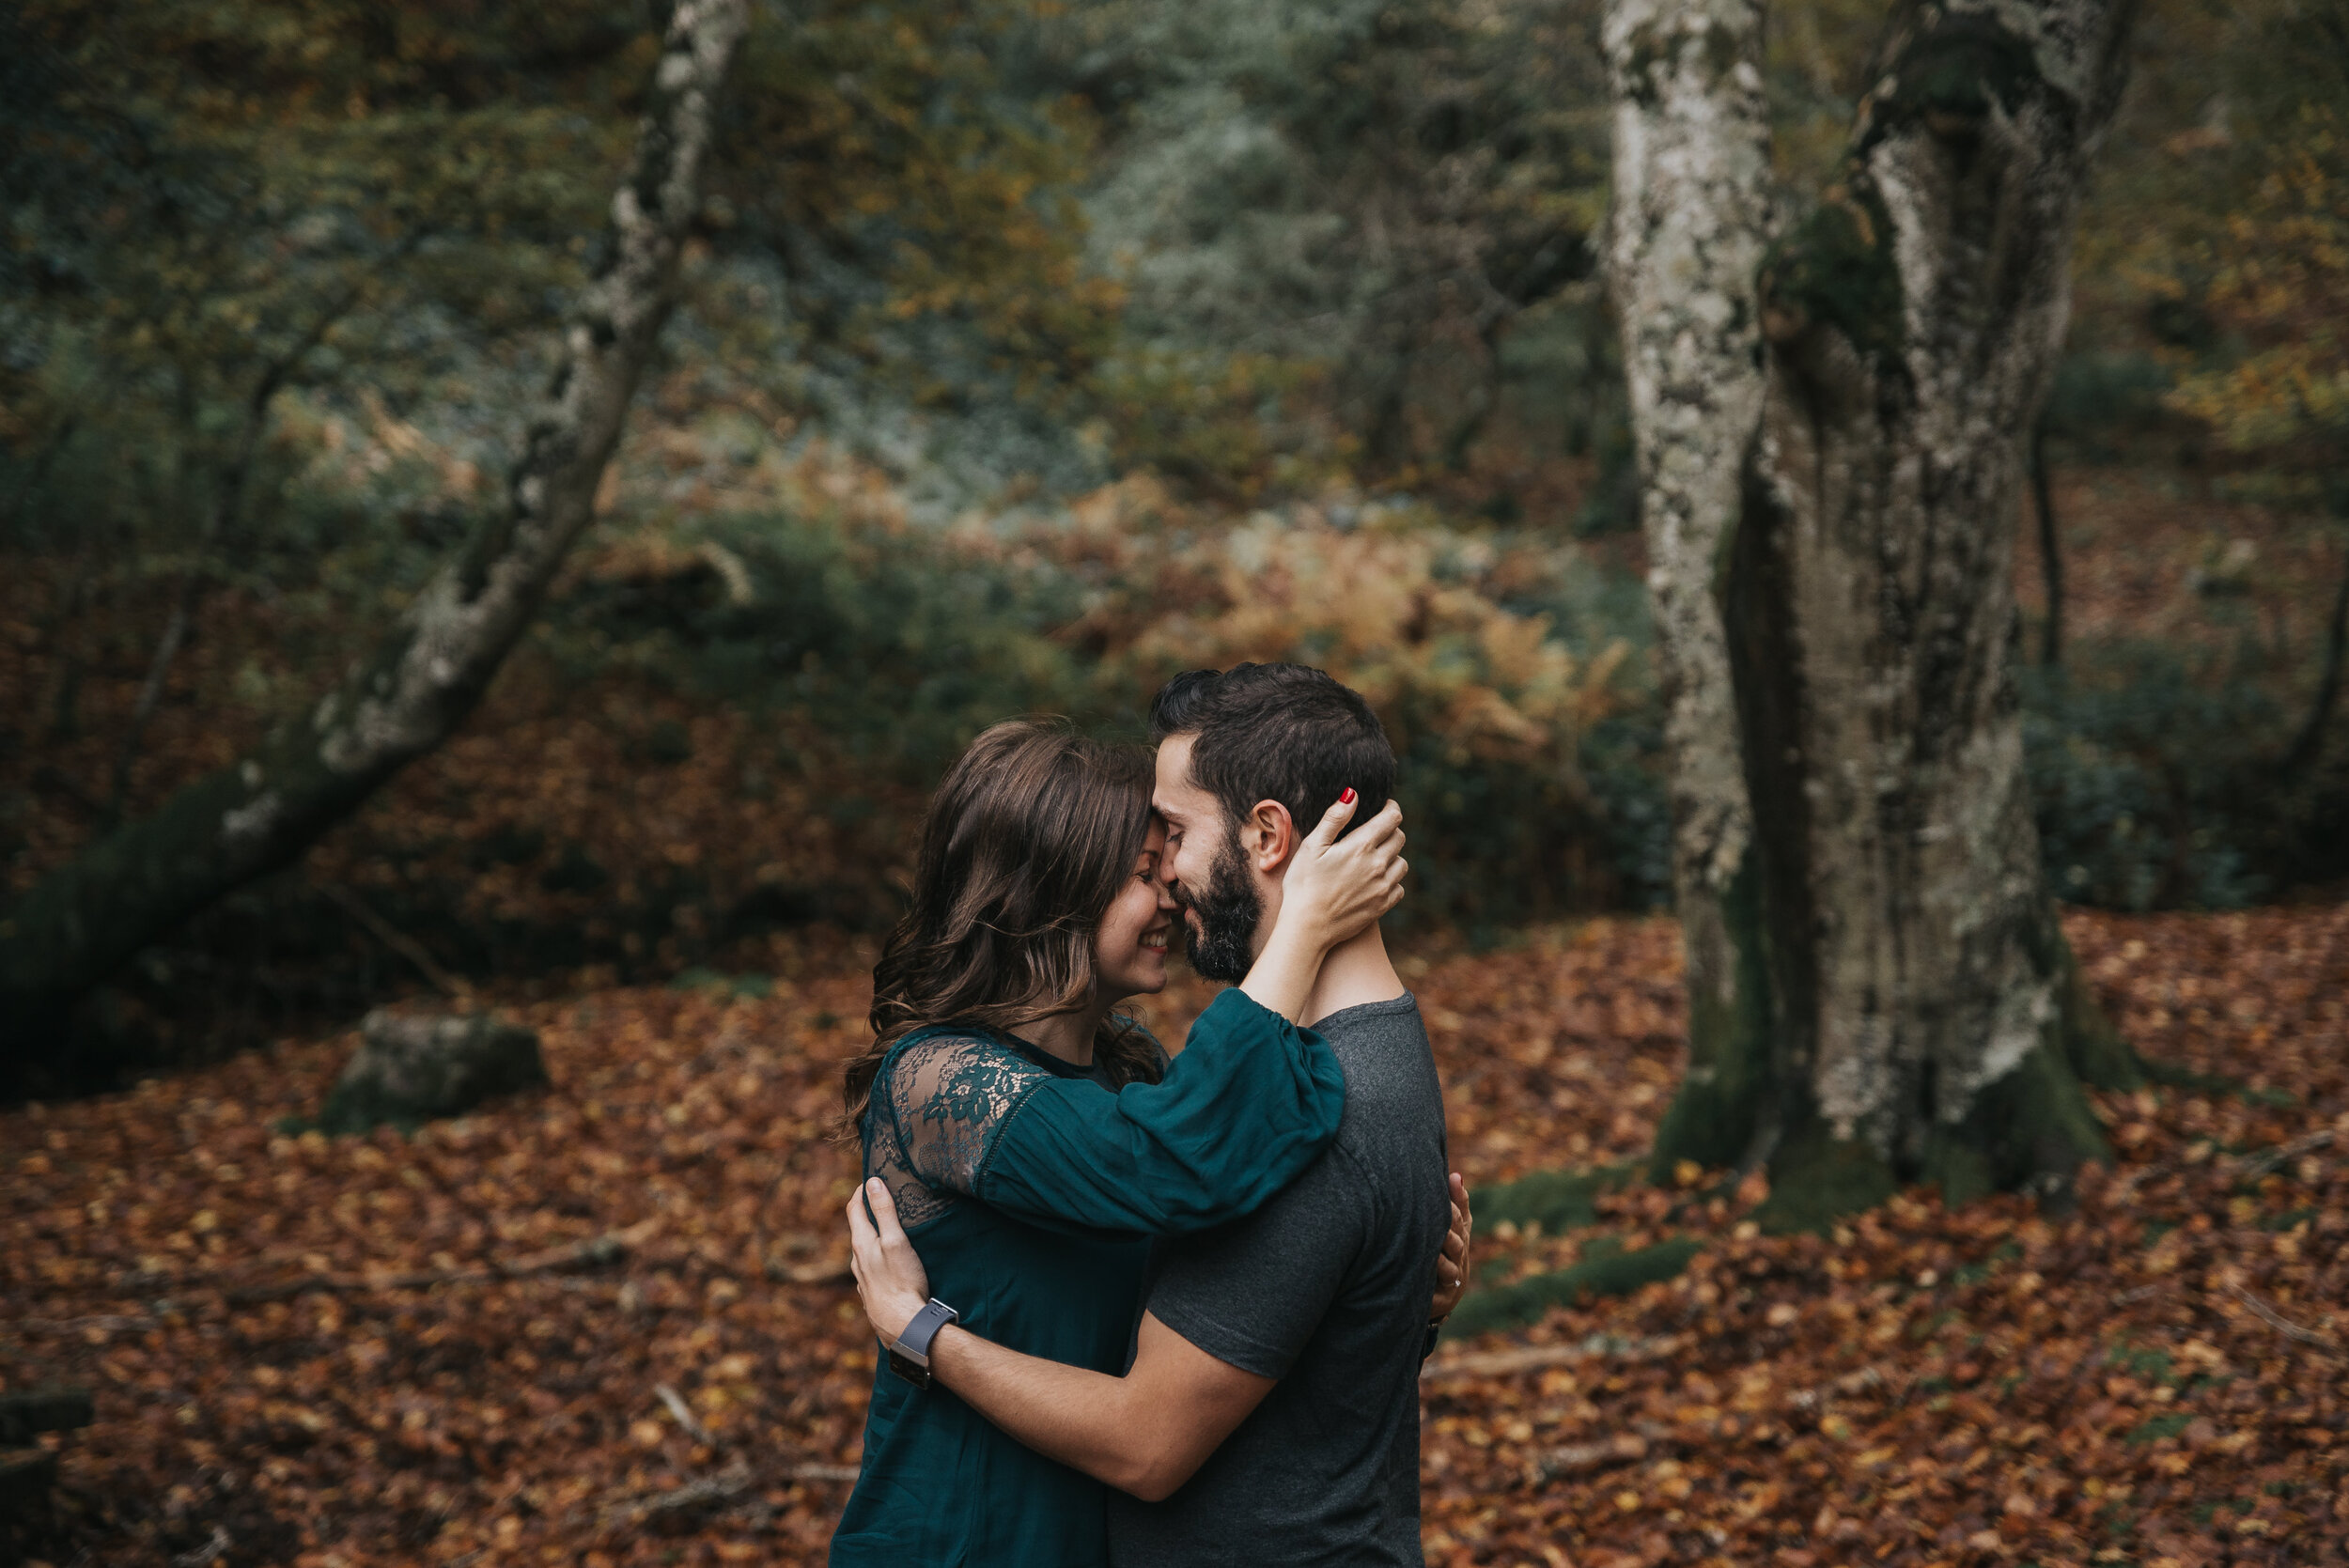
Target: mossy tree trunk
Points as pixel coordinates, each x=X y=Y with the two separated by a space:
x=1908 y=1008
x=75 y=927
x=1691 y=218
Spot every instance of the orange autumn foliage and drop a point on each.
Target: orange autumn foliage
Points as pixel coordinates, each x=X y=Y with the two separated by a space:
x=2162 y=1375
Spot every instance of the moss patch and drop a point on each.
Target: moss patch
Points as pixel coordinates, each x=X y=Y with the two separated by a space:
x=1713 y=1117
x=1557 y=1200
x=1964 y=65
x=2030 y=1129
x=1611 y=1274
x=1836 y=269
x=2095 y=1049
x=1816 y=1179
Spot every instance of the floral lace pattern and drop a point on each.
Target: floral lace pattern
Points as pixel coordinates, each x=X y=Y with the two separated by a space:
x=939 y=1102
x=936 y=1106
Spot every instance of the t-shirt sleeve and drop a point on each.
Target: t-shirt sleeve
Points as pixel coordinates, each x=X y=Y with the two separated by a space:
x=1251 y=1293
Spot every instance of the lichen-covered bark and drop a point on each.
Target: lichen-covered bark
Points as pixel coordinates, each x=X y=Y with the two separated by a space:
x=1689 y=220
x=79 y=924
x=1913 y=323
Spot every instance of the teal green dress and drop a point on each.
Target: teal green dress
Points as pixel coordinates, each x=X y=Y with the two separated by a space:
x=1031 y=1191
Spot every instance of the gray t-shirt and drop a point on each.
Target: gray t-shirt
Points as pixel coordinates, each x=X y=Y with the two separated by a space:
x=1325 y=1288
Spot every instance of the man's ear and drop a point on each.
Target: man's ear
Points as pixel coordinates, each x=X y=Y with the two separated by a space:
x=1269 y=837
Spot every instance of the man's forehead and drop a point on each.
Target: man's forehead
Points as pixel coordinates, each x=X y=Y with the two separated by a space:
x=1175 y=795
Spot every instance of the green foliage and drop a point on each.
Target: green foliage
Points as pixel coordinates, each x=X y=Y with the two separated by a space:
x=1325 y=257
x=2215 y=239
x=353 y=200
x=2138 y=763
x=1369 y=194
x=894 y=650
x=2104 y=398
x=872 y=649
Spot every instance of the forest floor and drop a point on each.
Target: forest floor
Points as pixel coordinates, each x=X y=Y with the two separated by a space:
x=609 y=1323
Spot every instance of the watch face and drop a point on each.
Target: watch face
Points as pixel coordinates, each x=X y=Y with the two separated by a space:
x=904 y=1366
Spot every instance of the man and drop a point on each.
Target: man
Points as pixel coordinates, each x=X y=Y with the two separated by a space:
x=1270 y=1414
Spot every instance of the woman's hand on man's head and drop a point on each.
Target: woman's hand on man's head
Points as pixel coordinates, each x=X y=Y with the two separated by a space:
x=890 y=1278
x=1338 y=886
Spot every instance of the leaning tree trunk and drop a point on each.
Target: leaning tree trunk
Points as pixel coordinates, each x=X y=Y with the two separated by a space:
x=1924 y=1018
x=83 y=921
x=1686 y=235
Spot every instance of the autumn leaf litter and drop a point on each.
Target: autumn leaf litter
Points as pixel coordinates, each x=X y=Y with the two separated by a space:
x=608 y=1323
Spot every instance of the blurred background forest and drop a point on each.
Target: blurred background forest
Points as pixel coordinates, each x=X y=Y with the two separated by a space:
x=1029 y=352
x=1025 y=352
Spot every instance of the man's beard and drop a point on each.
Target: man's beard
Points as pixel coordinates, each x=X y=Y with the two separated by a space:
x=1222 y=945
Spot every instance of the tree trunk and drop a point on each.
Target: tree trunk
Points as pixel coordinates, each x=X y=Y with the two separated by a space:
x=1690 y=219
x=2050 y=546
x=80 y=924
x=1922 y=1019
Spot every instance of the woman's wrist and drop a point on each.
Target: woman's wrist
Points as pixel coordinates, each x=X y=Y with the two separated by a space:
x=1283 y=976
x=1305 y=927
x=892 y=1313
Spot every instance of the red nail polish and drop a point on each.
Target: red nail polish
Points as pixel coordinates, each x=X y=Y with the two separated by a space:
x=1347 y=799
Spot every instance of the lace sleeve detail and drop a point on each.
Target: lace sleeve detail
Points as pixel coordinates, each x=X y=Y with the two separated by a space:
x=937 y=1104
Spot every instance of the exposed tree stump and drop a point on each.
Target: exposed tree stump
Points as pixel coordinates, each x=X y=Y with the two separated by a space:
x=409 y=1070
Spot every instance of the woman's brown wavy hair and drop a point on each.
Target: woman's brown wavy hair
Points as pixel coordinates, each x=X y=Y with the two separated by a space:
x=1031 y=835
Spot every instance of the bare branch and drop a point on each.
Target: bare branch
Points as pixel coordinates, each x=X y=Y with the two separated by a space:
x=85 y=919
x=397 y=940
x=677 y=1406
x=2283 y=1325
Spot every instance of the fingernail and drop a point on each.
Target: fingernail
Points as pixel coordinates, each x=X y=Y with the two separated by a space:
x=1348 y=797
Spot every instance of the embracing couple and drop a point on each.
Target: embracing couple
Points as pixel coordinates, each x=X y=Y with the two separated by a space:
x=1136 y=1310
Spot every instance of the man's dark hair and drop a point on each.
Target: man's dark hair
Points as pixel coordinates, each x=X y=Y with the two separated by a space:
x=1277 y=732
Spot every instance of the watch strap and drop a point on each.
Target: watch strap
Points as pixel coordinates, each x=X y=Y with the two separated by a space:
x=915 y=1340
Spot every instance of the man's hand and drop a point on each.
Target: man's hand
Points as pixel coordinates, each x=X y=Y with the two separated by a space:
x=890 y=1278
x=1452 y=1266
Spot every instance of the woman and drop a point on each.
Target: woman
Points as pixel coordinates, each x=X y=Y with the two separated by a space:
x=1033 y=1140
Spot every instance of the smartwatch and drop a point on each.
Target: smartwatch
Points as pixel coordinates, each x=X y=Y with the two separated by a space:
x=909 y=1357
